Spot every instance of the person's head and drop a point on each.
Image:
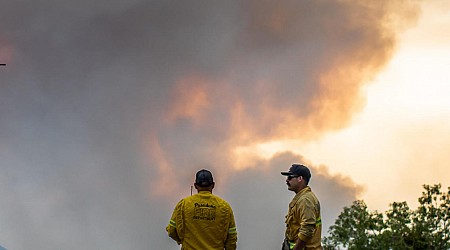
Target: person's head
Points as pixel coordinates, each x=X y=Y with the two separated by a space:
x=204 y=180
x=297 y=177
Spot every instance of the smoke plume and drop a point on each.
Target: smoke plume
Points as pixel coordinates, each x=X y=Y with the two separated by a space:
x=108 y=108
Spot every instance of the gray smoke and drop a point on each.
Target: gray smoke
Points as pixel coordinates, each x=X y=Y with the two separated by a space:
x=107 y=109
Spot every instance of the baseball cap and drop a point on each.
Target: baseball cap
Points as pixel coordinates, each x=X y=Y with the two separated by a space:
x=298 y=170
x=204 y=178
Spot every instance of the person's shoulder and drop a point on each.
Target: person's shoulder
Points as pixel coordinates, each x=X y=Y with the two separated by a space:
x=308 y=198
x=304 y=194
x=310 y=193
x=184 y=200
x=221 y=200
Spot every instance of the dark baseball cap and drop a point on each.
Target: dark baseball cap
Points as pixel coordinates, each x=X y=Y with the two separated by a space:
x=298 y=170
x=204 y=178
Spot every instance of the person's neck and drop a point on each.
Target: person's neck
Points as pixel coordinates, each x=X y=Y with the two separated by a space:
x=204 y=190
x=300 y=189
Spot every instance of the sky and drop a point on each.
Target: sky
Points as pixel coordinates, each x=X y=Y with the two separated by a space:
x=400 y=140
x=108 y=108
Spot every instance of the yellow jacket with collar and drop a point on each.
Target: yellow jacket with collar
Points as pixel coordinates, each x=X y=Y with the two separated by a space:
x=203 y=222
x=303 y=219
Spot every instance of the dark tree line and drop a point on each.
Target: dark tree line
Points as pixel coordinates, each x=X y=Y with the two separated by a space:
x=427 y=227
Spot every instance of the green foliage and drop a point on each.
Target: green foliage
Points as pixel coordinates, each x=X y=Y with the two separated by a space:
x=399 y=228
x=356 y=228
x=398 y=225
x=431 y=227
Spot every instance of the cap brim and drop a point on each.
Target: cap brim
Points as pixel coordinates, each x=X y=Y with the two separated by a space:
x=286 y=173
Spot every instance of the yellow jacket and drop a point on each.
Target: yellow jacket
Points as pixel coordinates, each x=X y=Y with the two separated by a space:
x=203 y=222
x=303 y=219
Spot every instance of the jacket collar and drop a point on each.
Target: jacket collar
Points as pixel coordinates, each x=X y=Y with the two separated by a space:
x=301 y=192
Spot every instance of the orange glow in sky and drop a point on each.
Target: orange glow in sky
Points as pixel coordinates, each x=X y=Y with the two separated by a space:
x=401 y=139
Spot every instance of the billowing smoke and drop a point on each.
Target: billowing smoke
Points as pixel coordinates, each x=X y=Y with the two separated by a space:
x=107 y=109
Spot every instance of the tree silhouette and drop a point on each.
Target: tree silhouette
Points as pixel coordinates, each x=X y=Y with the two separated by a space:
x=399 y=228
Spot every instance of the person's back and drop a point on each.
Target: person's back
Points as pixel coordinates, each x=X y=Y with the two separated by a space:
x=203 y=221
x=207 y=220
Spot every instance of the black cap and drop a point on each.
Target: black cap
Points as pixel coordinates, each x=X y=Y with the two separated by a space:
x=204 y=178
x=298 y=170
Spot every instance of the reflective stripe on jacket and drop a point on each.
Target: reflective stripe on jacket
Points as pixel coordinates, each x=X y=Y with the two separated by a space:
x=203 y=221
x=303 y=219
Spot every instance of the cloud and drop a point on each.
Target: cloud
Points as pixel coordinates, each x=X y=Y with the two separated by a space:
x=108 y=108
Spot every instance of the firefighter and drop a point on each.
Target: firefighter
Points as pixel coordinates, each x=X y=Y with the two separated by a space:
x=303 y=221
x=203 y=221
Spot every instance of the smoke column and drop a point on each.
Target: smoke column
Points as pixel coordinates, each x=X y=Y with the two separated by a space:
x=108 y=108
